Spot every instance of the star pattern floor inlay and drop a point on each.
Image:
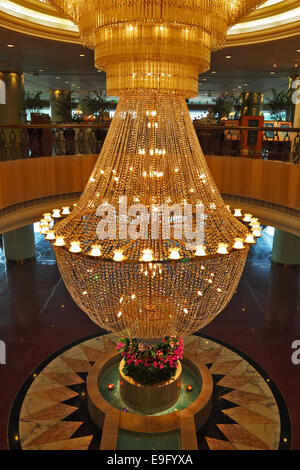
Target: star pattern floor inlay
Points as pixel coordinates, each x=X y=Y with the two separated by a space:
x=50 y=411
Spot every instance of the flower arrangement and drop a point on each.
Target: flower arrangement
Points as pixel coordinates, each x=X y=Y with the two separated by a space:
x=152 y=364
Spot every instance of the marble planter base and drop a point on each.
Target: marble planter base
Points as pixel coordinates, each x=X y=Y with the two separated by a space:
x=150 y=399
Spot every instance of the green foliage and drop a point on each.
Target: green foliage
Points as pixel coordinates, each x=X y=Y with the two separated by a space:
x=97 y=104
x=34 y=103
x=280 y=104
x=64 y=105
x=148 y=375
x=221 y=108
x=151 y=364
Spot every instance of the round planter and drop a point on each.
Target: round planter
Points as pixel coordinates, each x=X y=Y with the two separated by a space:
x=150 y=399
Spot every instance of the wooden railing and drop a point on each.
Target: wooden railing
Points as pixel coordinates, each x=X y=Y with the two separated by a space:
x=31 y=141
x=37 y=178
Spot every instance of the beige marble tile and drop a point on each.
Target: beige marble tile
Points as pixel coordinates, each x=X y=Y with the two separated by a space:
x=240 y=397
x=57 y=394
x=61 y=431
x=92 y=354
x=268 y=433
x=75 y=353
x=29 y=430
x=226 y=354
x=77 y=365
x=207 y=356
x=218 y=444
x=57 y=365
x=79 y=443
x=223 y=367
x=41 y=382
x=268 y=408
x=234 y=381
x=56 y=412
x=243 y=415
x=64 y=378
x=32 y=405
x=258 y=385
x=95 y=343
x=239 y=436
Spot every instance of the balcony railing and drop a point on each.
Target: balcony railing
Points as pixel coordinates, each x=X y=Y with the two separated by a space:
x=44 y=140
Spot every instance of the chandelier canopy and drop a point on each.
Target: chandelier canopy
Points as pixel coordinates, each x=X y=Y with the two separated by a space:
x=160 y=44
x=130 y=273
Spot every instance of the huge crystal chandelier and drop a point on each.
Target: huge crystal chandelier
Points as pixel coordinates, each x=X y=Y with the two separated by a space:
x=133 y=281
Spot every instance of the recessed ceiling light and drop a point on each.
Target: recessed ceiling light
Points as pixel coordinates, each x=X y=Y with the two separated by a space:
x=213 y=71
x=67 y=82
x=204 y=79
x=57 y=78
x=228 y=57
x=272 y=73
x=10 y=45
x=41 y=70
x=81 y=55
x=298 y=50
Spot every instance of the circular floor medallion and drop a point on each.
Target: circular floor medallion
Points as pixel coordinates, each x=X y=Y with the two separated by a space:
x=50 y=410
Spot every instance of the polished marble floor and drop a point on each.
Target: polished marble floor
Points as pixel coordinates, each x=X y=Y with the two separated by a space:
x=37 y=317
x=50 y=411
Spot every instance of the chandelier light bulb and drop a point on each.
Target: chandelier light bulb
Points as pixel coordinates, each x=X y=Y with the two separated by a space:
x=237 y=213
x=95 y=251
x=174 y=254
x=222 y=249
x=238 y=244
x=200 y=251
x=147 y=255
x=75 y=247
x=256 y=233
x=250 y=239
x=65 y=210
x=50 y=235
x=247 y=217
x=44 y=230
x=47 y=216
x=56 y=214
x=44 y=222
x=118 y=256
x=60 y=241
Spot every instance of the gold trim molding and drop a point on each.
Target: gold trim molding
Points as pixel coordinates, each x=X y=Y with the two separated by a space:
x=65 y=33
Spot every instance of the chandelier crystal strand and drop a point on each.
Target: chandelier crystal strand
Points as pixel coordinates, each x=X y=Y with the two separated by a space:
x=142 y=279
x=151 y=165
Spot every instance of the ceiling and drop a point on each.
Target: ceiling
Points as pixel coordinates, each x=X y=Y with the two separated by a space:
x=49 y=64
x=274 y=19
